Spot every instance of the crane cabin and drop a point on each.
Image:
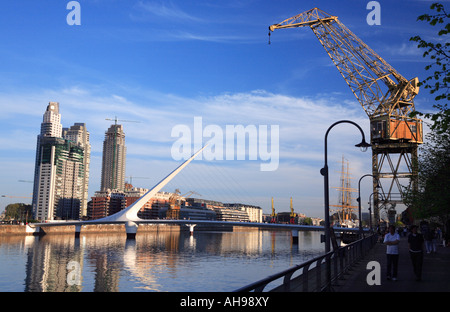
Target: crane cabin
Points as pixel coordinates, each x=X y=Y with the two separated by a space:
x=385 y=129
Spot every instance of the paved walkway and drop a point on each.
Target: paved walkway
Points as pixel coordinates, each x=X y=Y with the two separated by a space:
x=435 y=273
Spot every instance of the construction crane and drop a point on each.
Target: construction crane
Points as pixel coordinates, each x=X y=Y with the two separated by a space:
x=385 y=95
x=173 y=212
x=132 y=177
x=190 y=193
x=121 y=120
x=15 y=196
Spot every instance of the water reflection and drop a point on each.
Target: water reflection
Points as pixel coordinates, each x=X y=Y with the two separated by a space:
x=155 y=261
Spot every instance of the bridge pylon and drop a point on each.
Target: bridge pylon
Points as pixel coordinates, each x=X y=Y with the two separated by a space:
x=129 y=216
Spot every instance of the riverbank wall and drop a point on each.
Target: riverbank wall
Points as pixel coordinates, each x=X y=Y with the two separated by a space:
x=9 y=229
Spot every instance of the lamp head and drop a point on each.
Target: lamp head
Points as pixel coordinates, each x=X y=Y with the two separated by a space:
x=363 y=145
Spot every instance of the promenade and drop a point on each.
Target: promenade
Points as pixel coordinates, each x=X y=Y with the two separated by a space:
x=435 y=273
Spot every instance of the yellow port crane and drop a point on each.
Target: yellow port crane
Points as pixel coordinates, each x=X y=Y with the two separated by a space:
x=385 y=95
x=293 y=214
x=273 y=215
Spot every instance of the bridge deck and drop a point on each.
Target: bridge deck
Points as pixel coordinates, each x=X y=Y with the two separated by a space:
x=205 y=222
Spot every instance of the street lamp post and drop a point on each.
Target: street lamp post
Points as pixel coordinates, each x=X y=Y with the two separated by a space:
x=359 y=202
x=370 y=208
x=324 y=171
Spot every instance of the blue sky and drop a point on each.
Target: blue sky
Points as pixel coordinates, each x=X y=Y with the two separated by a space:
x=162 y=63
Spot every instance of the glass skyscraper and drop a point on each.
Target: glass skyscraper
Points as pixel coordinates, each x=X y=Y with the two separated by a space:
x=79 y=135
x=61 y=169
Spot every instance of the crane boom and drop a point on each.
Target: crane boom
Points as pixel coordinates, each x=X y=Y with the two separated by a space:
x=116 y=120
x=385 y=95
x=359 y=65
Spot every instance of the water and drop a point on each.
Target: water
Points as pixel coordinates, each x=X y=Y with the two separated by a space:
x=159 y=262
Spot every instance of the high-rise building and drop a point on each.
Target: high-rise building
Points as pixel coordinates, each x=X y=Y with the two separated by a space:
x=79 y=134
x=113 y=162
x=60 y=170
x=106 y=203
x=51 y=122
x=50 y=127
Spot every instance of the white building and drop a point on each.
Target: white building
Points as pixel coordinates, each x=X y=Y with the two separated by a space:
x=60 y=184
x=254 y=212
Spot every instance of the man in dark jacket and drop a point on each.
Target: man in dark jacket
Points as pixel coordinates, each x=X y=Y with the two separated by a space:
x=416 y=243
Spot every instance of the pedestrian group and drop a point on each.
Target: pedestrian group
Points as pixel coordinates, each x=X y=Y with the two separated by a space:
x=418 y=243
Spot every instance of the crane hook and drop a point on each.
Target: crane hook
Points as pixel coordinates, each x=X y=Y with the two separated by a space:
x=269 y=36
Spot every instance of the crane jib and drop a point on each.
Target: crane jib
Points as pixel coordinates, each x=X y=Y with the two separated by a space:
x=362 y=68
x=301 y=24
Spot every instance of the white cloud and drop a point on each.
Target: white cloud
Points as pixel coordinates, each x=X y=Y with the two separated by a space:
x=402 y=50
x=302 y=122
x=145 y=10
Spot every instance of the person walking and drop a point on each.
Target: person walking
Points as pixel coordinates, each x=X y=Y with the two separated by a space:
x=392 y=240
x=427 y=234
x=439 y=237
x=429 y=241
x=435 y=241
x=416 y=246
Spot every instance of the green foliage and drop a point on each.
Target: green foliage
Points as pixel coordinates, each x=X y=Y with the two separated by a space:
x=438 y=52
x=438 y=81
x=18 y=211
x=432 y=198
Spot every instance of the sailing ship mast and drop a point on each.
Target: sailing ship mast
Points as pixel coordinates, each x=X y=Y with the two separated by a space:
x=345 y=211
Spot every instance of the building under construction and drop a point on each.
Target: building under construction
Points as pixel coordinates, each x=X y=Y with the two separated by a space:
x=167 y=205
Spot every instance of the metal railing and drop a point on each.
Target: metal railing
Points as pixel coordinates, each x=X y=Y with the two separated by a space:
x=312 y=275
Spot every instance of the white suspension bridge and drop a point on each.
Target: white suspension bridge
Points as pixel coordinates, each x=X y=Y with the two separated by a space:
x=129 y=216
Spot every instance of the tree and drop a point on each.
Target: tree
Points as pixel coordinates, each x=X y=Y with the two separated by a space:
x=18 y=211
x=438 y=82
x=432 y=198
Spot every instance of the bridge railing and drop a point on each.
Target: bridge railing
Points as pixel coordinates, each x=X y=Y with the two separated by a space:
x=311 y=276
